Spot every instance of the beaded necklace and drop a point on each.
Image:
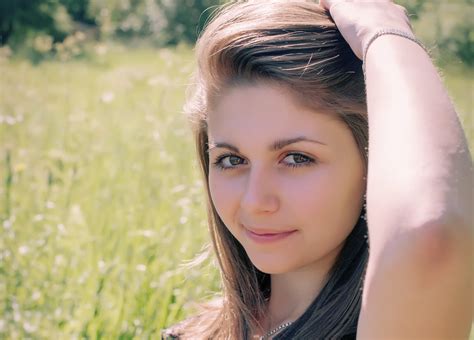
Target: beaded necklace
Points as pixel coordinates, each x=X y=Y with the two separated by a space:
x=276 y=330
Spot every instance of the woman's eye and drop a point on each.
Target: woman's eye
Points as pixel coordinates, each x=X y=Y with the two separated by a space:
x=297 y=159
x=228 y=161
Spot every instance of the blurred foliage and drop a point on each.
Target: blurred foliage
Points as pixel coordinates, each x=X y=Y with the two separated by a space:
x=463 y=42
x=414 y=7
x=460 y=42
x=447 y=29
x=78 y=10
x=164 y=21
x=33 y=26
x=18 y=18
x=100 y=198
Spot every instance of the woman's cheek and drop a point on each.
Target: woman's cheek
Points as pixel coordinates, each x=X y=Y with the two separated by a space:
x=308 y=190
x=223 y=195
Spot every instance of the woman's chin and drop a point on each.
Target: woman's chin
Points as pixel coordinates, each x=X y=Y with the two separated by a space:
x=271 y=265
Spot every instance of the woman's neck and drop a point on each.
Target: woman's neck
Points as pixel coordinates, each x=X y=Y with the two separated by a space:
x=293 y=292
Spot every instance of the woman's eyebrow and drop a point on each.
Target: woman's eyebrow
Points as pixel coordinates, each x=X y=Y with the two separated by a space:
x=279 y=144
x=275 y=146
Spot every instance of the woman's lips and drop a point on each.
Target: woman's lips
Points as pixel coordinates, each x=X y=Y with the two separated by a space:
x=263 y=236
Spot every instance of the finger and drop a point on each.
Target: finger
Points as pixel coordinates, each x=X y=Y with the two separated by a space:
x=327 y=4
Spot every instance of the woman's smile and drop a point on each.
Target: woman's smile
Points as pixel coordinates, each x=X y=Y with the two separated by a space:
x=268 y=237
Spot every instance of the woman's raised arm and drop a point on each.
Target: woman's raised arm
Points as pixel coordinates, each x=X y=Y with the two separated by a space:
x=419 y=189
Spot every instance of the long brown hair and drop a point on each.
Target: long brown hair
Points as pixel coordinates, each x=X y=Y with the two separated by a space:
x=294 y=44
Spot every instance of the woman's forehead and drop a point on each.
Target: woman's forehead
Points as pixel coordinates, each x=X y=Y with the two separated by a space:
x=263 y=110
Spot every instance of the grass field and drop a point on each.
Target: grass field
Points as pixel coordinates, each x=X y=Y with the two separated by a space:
x=100 y=197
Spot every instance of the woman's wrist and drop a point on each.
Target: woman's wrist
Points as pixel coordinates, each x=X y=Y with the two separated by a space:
x=406 y=34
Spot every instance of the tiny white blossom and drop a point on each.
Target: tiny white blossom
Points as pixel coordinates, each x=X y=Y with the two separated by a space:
x=29 y=328
x=61 y=228
x=7 y=224
x=178 y=188
x=36 y=295
x=107 y=97
x=59 y=260
x=148 y=233
x=101 y=265
x=140 y=267
x=23 y=250
x=38 y=218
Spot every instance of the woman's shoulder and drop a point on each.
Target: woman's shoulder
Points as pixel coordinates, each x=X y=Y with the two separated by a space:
x=177 y=331
x=169 y=333
x=200 y=323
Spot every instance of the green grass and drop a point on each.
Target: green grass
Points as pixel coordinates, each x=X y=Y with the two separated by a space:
x=100 y=197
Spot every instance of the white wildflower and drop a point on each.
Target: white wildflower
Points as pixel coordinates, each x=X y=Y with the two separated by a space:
x=101 y=265
x=107 y=97
x=141 y=267
x=36 y=295
x=23 y=250
x=38 y=218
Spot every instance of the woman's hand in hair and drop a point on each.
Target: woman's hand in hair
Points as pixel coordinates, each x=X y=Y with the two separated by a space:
x=358 y=20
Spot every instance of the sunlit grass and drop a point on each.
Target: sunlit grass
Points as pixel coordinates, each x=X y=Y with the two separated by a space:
x=104 y=200
x=100 y=197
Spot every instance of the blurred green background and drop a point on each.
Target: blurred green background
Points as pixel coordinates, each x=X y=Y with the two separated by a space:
x=101 y=204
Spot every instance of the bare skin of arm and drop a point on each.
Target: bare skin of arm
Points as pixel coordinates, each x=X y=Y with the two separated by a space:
x=419 y=186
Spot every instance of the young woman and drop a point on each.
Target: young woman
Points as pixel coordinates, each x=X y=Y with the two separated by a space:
x=306 y=117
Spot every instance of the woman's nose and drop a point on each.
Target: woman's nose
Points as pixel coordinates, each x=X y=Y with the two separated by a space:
x=260 y=192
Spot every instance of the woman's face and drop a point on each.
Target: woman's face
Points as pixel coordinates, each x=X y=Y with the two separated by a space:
x=290 y=174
